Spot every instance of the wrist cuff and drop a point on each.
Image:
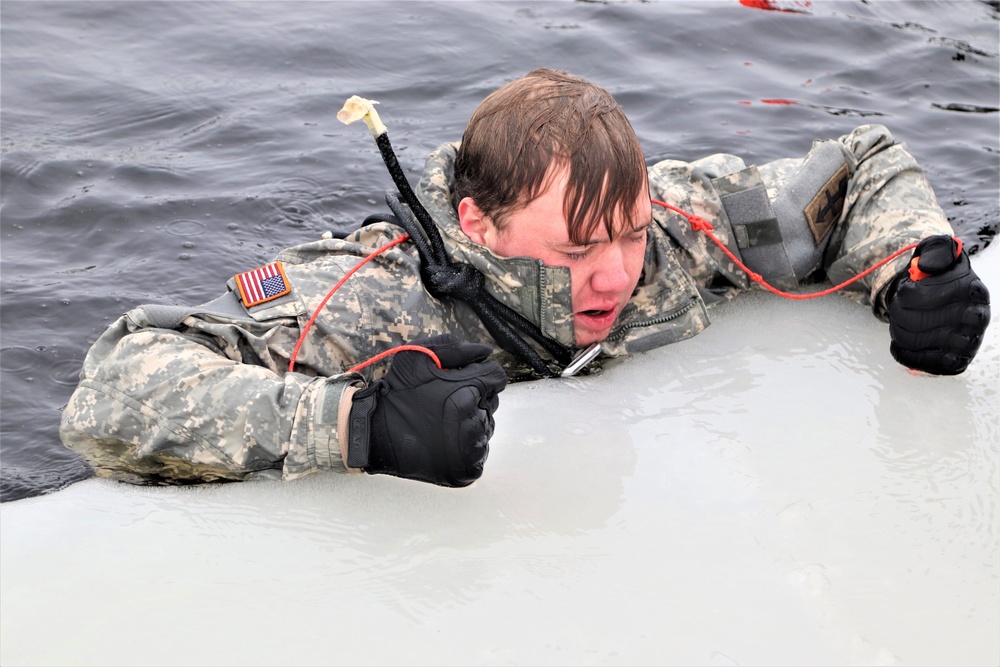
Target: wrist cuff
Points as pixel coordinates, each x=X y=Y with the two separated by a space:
x=343 y=425
x=360 y=424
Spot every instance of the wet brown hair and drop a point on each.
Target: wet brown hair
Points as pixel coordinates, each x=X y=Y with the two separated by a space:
x=521 y=128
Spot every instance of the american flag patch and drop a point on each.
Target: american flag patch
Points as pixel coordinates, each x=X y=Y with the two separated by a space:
x=263 y=284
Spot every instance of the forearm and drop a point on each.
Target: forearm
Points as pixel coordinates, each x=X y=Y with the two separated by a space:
x=689 y=186
x=889 y=204
x=163 y=407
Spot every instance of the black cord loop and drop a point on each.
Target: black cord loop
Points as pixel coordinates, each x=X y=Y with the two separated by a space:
x=458 y=280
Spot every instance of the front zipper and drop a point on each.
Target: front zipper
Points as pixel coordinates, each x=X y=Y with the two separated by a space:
x=618 y=334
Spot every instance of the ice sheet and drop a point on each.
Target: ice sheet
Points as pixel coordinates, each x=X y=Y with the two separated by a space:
x=775 y=491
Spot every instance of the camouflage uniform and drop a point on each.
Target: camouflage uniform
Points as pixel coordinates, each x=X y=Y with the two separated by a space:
x=191 y=394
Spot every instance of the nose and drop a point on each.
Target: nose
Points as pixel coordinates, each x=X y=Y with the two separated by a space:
x=610 y=273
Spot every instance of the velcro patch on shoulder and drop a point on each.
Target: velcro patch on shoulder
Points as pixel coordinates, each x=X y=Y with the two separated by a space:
x=262 y=284
x=825 y=208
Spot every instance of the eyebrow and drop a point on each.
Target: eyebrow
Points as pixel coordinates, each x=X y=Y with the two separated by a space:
x=643 y=226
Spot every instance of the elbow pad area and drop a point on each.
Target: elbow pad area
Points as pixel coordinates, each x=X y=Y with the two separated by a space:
x=784 y=240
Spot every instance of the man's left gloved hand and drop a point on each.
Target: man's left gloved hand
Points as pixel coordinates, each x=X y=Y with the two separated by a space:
x=938 y=309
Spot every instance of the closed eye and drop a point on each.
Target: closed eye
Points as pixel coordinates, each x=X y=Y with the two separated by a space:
x=577 y=255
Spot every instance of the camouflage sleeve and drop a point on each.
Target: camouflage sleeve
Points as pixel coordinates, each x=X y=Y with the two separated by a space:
x=876 y=201
x=169 y=406
x=889 y=204
x=691 y=186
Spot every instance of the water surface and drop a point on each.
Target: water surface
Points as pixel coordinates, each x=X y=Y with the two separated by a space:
x=151 y=150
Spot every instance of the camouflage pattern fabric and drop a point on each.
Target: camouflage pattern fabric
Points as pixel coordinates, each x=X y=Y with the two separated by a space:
x=202 y=394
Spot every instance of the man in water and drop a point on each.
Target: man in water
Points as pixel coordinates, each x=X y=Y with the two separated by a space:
x=538 y=241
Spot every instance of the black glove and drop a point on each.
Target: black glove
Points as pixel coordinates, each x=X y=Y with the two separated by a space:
x=938 y=309
x=427 y=423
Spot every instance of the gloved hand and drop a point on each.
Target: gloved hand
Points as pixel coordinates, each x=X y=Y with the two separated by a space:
x=938 y=309
x=427 y=423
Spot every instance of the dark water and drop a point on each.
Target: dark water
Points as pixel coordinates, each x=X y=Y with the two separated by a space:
x=152 y=150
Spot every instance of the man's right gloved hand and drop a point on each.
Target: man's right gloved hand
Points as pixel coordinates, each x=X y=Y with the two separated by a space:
x=427 y=423
x=938 y=309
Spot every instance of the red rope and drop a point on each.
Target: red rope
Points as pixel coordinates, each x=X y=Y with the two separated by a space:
x=402 y=348
x=305 y=329
x=697 y=223
x=700 y=224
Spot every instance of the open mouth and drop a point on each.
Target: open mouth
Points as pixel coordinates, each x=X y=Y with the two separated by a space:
x=597 y=318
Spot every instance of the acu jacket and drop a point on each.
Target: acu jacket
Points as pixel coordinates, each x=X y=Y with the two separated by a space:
x=172 y=394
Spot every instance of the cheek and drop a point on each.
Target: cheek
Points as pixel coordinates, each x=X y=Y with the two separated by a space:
x=501 y=244
x=582 y=288
x=635 y=257
x=578 y=278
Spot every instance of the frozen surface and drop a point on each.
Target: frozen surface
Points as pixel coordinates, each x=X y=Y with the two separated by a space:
x=775 y=491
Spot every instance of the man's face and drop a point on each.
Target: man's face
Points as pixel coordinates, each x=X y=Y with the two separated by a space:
x=604 y=271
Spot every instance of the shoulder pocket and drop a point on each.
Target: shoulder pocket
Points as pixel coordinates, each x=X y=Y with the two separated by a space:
x=245 y=289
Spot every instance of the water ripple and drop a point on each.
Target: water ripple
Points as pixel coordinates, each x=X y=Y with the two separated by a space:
x=16 y=359
x=65 y=373
x=185 y=227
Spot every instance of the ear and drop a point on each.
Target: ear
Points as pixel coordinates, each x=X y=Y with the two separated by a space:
x=473 y=220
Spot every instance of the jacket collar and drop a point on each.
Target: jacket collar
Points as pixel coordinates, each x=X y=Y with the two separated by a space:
x=666 y=306
x=541 y=293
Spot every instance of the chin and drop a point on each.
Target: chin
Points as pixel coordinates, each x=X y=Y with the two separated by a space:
x=588 y=338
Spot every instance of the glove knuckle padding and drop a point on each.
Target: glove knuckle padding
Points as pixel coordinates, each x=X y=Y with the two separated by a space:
x=469 y=426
